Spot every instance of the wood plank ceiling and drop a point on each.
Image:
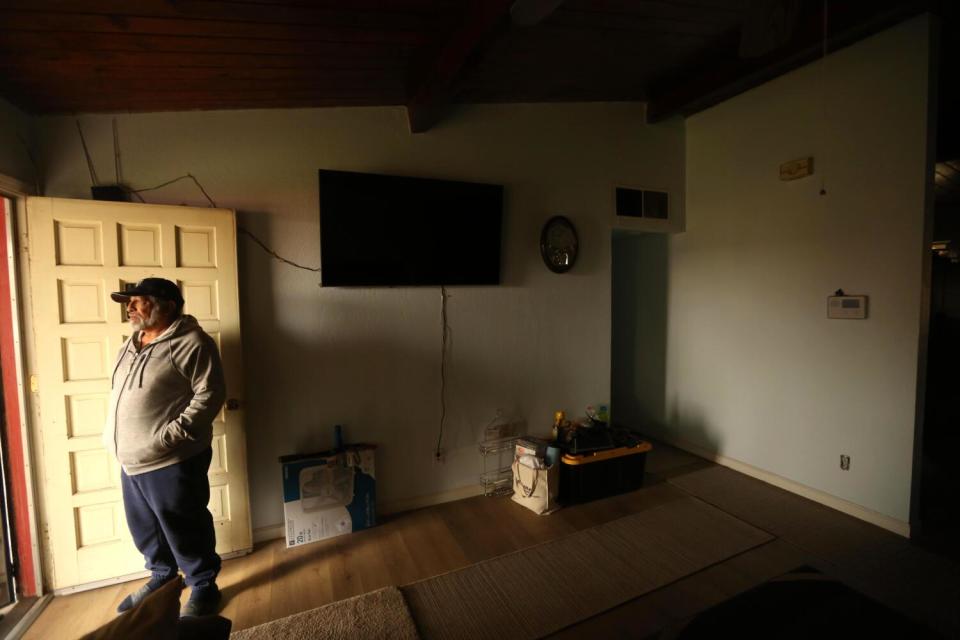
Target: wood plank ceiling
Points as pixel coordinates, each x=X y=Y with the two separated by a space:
x=77 y=56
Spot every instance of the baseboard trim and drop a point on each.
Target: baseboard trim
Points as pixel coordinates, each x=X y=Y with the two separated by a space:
x=409 y=504
x=239 y=553
x=268 y=533
x=883 y=521
x=275 y=531
x=87 y=586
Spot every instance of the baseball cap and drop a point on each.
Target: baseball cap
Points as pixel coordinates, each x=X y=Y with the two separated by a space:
x=156 y=287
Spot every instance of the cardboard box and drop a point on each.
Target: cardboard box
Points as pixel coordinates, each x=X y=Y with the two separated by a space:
x=328 y=494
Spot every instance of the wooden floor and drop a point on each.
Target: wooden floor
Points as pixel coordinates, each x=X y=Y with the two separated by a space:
x=13 y=614
x=273 y=582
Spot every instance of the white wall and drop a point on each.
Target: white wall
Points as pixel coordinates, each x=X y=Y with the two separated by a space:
x=16 y=128
x=755 y=371
x=369 y=358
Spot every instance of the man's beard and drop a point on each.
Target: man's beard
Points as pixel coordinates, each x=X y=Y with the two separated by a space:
x=138 y=324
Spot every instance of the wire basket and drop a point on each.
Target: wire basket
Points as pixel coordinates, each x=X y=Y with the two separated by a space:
x=496 y=479
x=497 y=483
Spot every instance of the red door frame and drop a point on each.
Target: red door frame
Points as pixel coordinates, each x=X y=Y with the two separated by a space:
x=19 y=510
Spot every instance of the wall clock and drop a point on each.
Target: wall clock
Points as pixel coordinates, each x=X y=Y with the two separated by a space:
x=558 y=244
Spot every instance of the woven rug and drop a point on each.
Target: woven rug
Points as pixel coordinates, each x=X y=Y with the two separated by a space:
x=539 y=590
x=378 y=614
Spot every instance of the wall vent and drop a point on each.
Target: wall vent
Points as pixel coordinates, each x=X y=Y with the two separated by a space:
x=643 y=203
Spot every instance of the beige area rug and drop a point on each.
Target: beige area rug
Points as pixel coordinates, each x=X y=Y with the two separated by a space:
x=378 y=614
x=540 y=590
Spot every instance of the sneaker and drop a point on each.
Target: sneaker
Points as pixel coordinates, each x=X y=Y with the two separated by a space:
x=137 y=596
x=204 y=601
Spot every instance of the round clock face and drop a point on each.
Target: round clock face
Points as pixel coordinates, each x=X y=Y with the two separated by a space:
x=558 y=244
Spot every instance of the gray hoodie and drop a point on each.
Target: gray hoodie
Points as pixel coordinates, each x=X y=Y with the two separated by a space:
x=165 y=398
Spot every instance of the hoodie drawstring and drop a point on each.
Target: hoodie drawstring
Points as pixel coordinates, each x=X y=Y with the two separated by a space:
x=140 y=365
x=143 y=367
x=133 y=374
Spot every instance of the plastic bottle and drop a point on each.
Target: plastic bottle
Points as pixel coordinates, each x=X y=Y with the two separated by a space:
x=558 y=418
x=603 y=414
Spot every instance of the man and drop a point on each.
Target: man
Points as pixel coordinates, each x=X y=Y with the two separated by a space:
x=167 y=389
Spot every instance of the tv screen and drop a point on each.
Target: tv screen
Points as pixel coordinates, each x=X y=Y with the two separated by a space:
x=379 y=230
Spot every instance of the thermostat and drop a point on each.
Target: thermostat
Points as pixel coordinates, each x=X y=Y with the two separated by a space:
x=847 y=307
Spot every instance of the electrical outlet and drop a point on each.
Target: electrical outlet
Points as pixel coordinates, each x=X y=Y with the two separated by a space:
x=845 y=462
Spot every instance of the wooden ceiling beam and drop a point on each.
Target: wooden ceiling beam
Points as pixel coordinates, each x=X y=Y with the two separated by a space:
x=433 y=83
x=530 y=13
x=433 y=80
x=720 y=73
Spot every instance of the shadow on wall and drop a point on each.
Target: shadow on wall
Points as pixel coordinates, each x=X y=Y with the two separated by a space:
x=379 y=378
x=639 y=351
x=687 y=426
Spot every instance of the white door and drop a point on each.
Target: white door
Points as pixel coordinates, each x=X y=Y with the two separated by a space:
x=77 y=252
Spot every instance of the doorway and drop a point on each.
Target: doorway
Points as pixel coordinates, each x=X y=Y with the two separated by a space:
x=939 y=496
x=639 y=330
x=19 y=583
x=940 y=482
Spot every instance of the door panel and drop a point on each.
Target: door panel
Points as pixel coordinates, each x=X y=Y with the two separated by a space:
x=79 y=251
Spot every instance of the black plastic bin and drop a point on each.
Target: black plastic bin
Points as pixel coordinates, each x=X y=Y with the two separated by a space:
x=600 y=474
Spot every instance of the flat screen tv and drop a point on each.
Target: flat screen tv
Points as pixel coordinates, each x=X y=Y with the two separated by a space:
x=394 y=231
